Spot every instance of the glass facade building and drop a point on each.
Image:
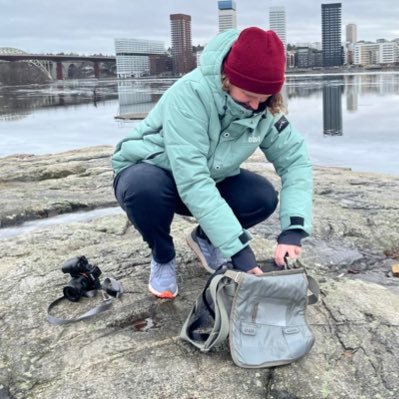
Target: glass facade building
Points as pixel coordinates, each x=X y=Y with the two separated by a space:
x=129 y=62
x=331 y=34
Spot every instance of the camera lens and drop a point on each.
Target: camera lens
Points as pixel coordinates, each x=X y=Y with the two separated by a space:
x=72 y=293
x=76 y=288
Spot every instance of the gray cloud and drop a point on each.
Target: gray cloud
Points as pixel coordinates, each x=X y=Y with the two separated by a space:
x=88 y=26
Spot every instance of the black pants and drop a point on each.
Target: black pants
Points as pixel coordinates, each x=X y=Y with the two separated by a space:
x=149 y=196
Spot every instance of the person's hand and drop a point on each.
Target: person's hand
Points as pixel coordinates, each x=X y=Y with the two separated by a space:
x=283 y=250
x=255 y=270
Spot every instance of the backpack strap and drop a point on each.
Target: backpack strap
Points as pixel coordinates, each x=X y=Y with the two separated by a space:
x=314 y=288
x=313 y=285
x=200 y=316
x=234 y=275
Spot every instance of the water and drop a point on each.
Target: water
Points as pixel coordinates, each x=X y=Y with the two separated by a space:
x=347 y=120
x=29 y=227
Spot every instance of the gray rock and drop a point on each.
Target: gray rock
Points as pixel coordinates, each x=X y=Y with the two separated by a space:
x=133 y=350
x=35 y=187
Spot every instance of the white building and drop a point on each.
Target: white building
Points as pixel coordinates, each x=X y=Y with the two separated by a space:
x=278 y=23
x=388 y=53
x=366 y=54
x=128 y=62
x=376 y=53
x=227 y=15
x=198 y=55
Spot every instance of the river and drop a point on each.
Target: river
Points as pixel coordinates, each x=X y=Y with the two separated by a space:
x=347 y=120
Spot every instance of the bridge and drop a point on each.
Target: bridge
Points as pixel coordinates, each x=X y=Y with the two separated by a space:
x=13 y=55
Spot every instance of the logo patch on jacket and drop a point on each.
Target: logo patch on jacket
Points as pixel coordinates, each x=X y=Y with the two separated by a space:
x=253 y=139
x=281 y=124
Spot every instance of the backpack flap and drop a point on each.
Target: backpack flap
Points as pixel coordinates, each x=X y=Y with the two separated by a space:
x=267 y=321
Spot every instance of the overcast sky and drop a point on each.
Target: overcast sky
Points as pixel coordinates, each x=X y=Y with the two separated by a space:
x=90 y=26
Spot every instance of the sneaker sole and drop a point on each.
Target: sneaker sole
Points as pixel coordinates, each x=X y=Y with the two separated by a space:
x=163 y=294
x=197 y=251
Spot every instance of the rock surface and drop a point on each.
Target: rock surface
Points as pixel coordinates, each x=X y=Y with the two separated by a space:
x=134 y=350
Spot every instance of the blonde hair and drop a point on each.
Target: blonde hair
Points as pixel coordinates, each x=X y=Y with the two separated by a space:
x=275 y=102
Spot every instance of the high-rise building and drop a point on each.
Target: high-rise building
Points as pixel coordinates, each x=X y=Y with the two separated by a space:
x=277 y=23
x=351 y=33
x=182 y=50
x=129 y=63
x=227 y=15
x=351 y=39
x=331 y=34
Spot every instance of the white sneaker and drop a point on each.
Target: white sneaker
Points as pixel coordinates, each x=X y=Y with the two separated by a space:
x=163 y=279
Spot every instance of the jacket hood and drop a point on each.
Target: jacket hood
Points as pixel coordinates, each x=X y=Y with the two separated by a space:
x=212 y=59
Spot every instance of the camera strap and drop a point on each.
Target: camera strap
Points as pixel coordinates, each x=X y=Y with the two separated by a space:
x=110 y=288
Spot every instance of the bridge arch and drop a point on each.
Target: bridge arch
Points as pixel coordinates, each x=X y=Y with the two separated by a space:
x=38 y=64
x=72 y=71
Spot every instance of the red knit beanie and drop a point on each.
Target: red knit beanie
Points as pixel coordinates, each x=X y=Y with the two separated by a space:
x=256 y=62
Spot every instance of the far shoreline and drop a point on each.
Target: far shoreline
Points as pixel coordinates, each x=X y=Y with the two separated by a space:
x=292 y=72
x=340 y=71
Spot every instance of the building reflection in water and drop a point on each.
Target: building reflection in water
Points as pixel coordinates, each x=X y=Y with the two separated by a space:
x=351 y=91
x=19 y=102
x=332 y=105
x=137 y=98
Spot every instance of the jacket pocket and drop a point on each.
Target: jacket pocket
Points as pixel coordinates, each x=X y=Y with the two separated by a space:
x=153 y=155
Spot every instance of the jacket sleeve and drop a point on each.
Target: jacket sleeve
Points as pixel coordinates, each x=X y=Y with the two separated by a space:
x=285 y=148
x=185 y=129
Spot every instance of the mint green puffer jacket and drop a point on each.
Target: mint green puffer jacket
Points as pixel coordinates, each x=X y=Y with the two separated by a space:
x=202 y=136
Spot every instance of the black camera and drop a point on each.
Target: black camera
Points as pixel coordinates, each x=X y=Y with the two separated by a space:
x=85 y=277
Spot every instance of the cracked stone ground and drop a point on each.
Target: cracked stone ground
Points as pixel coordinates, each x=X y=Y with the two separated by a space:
x=133 y=351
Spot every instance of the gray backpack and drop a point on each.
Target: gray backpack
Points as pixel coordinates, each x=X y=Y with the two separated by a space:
x=264 y=316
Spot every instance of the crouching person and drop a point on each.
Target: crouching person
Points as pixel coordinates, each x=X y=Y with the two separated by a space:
x=185 y=158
